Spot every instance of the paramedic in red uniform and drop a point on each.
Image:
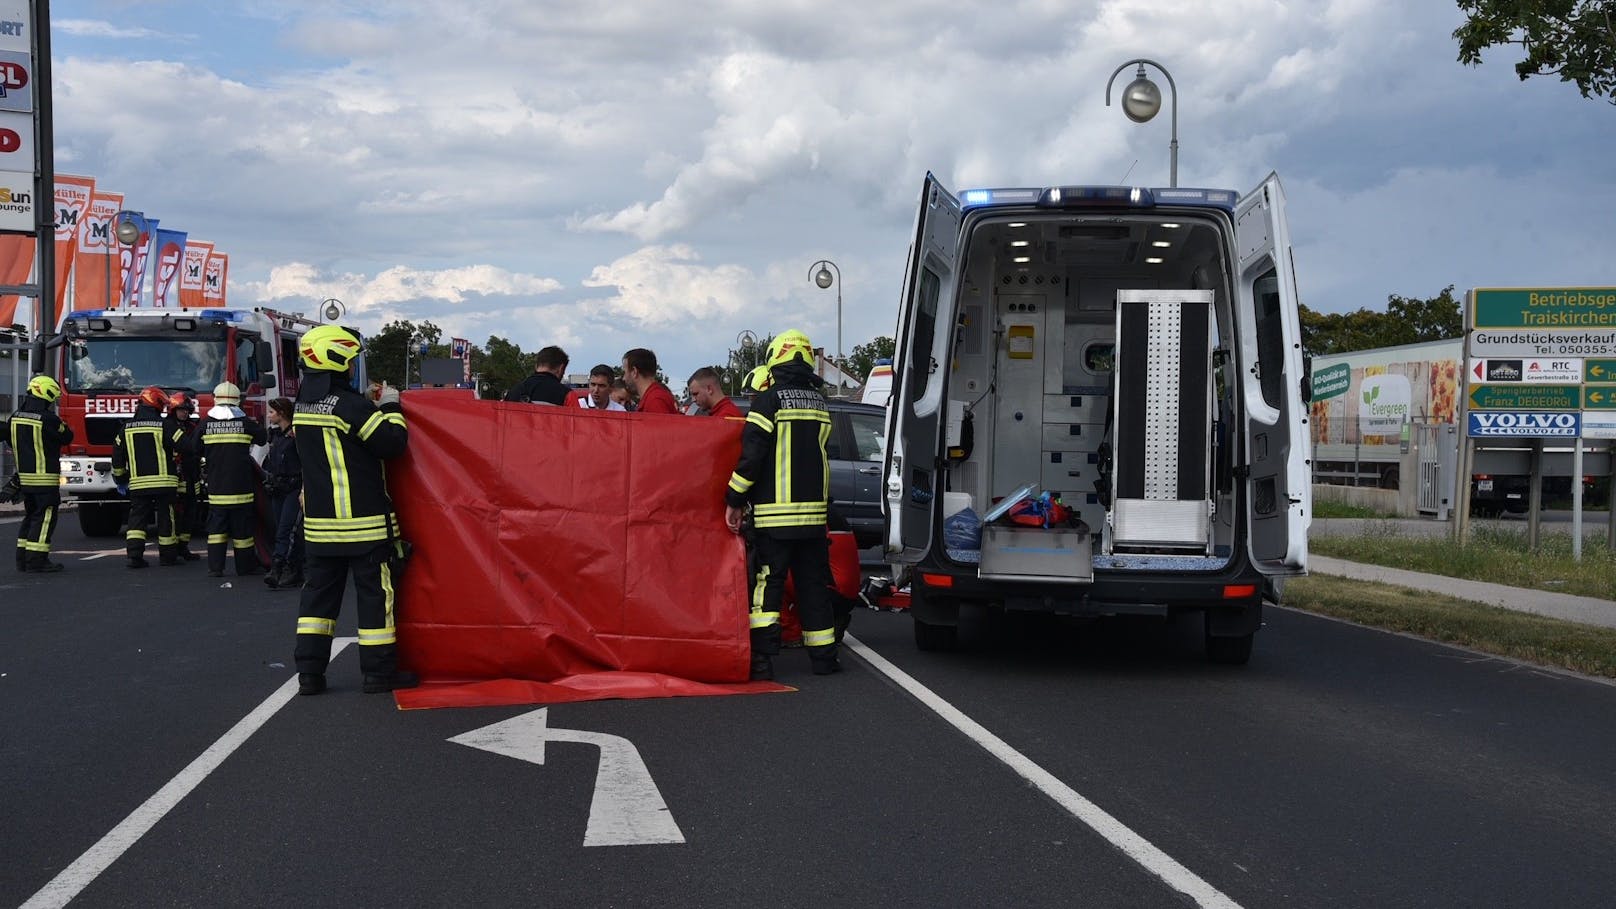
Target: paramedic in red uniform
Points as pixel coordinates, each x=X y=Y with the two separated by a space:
x=639 y=371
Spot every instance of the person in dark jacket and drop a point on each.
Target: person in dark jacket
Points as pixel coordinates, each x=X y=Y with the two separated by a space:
x=225 y=440
x=349 y=525
x=283 y=481
x=545 y=385
x=783 y=475
x=143 y=468
x=189 y=515
x=37 y=437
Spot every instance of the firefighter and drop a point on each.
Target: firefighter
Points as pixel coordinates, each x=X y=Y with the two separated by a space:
x=783 y=474
x=143 y=468
x=348 y=519
x=187 y=507
x=37 y=438
x=224 y=441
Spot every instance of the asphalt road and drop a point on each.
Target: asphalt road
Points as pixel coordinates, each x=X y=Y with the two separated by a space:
x=1343 y=767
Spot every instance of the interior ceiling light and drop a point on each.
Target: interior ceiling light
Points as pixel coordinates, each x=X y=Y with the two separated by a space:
x=1160 y=244
x=1168 y=224
x=1021 y=259
x=1018 y=224
x=1154 y=260
x=1018 y=242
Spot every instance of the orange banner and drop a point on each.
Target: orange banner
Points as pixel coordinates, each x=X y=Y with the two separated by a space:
x=72 y=202
x=191 y=277
x=95 y=270
x=16 y=264
x=214 y=276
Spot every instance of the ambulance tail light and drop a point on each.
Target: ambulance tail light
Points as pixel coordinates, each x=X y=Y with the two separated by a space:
x=1239 y=591
x=937 y=580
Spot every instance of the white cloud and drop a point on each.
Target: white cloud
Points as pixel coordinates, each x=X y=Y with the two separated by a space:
x=662 y=285
x=399 y=284
x=96 y=28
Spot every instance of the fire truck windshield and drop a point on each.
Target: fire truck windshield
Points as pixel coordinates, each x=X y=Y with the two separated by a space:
x=125 y=363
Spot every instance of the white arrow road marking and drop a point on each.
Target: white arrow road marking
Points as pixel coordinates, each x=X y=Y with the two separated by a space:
x=627 y=809
x=102 y=555
x=87 y=867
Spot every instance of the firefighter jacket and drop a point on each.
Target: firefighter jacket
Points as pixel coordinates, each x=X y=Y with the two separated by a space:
x=783 y=470
x=188 y=465
x=225 y=446
x=37 y=437
x=143 y=454
x=342 y=440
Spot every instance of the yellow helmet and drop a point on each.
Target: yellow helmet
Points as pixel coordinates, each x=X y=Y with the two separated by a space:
x=45 y=388
x=329 y=347
x=789 y=345
x=757 y=380
x=227 y=394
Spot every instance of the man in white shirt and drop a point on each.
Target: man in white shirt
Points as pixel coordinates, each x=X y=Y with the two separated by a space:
x=600 y=390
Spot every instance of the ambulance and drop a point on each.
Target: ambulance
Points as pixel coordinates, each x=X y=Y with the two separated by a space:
x=1133 y=352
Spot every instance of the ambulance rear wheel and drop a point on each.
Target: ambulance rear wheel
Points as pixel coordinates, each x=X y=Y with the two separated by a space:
x=100 y=520
x=1229 y=651
x=933 y=638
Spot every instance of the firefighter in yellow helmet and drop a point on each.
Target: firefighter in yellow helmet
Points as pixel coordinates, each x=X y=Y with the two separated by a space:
x=783 y=474
x=143 y=468
x=224 y=442
x=37 y=437
x=348 y=519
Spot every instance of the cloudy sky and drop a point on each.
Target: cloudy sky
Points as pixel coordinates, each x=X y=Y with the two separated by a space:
x=643 y=173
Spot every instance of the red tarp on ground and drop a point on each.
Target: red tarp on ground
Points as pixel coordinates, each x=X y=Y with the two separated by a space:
x=579 y=550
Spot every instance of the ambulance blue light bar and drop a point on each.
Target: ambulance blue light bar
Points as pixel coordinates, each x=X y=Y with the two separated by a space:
x=223 y=315
x=974 y=198
x=1100 y=196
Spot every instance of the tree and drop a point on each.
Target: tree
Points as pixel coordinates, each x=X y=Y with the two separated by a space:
x=385 y=351
x=742 y=360
x=1407 y=320
x=1572 y=39
x=859 y=363
x=501 y=365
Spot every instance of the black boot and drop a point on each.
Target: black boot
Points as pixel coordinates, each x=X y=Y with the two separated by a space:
x=41 y=564
x=310 y=682
x=824 y=661
x=762 y=668
x=399 y=678
x=273 y=579
x=169 y=555
x=22 y=559
x=292 y=577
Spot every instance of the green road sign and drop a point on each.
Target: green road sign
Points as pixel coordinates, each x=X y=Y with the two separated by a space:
x=1597 y=371
x=1332 y=381
x=1599 y=397
x=1526 y=397
x=1544 y=307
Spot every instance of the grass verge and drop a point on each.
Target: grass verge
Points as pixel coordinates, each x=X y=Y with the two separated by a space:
x=1500 y=556
x=1537 y=639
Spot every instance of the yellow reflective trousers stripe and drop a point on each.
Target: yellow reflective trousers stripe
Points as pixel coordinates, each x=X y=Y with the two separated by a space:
x=314 y=625
x=818 y=638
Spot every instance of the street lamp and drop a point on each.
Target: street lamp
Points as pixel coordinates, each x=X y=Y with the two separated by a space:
x=1142 y=99
x=129 y=225
x=332 y=309
x=823 y=280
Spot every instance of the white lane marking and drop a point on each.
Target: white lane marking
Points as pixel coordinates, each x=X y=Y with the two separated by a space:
x=87 y=867
x=1133 y=845
x=627 y=809
x=102 y=555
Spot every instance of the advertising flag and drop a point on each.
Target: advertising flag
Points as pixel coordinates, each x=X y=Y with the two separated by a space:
x=460 y=349
x=214 y=275
x=72 y=201
x=16 y=264
x=170 y=246
x=133 y=259
x=93 y=271
x=196 y=260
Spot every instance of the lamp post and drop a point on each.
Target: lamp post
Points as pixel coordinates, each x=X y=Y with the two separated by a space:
x=746 y=343
x=1142 y=99
x=823 y=280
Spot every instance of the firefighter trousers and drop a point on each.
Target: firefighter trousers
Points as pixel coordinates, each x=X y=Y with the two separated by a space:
x=231 y=526
x=142 y=507
x=807 y=562
x=325 y=579
x=39 y=510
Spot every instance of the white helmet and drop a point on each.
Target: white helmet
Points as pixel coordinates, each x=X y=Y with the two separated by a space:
x=227 y=394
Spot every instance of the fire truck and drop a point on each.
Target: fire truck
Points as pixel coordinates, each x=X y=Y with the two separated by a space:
x=105 y=357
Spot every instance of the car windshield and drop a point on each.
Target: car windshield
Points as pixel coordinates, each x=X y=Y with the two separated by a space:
x=132 y=363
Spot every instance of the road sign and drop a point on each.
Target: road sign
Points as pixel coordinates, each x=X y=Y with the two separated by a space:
x=1544 y=307
x=1599 y=371
x=627 y=809
x=1333 y=381
x=1524 y=424
x=1532 y=370
x=1598 y=424
x=1526 y=397
x=1599 y=397
x=1559 y=343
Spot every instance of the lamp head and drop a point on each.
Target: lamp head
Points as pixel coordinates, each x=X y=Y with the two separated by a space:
x=1141 y=99
x=128 y=231
x=823 y=278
